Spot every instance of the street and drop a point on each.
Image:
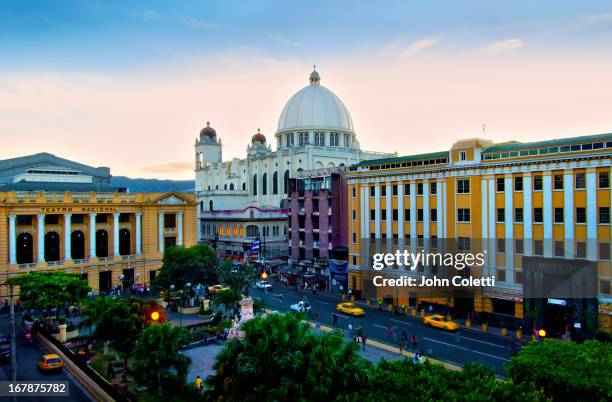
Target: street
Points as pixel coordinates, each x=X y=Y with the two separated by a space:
x=468 y=346
x=27 y=370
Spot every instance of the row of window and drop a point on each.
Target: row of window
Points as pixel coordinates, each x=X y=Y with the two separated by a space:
x=76 y=219
x=424 y=162
x=236 y=231
x=549 y=150
x=319 y=139
x=559 y=248
x=264 y=183
x=433 y=215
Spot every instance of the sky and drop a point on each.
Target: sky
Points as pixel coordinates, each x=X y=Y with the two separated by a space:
x=129 y=84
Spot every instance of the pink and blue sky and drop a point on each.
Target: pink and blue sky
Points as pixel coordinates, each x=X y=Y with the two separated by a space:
x=129 y=84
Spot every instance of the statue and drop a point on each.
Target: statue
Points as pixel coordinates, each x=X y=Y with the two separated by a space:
x=246 y=313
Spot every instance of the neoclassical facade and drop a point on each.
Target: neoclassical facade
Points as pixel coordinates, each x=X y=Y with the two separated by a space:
x=315 y=131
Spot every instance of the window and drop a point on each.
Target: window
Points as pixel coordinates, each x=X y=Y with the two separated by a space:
x=354 y=260
x=537 y=215
x=463 y=215
x=559 y=248
x=500 y=184
x=302 y=139
x=25 y=220
x=394 y=189
x=519 y=246
x=407 y=214
x=501 y=275
x=51 y=219
x=353 y=192
x=383 y=214
x=462 y=156
x=604 y=251
x=419 y=215
x=395 y=215
x=580 y=249
x=518 y=183
x=558 y=215
x=604 y=286
x=519 y=277
x=407 y=189
x=354 y=214
x=275 y=184
x=604 y=215
x=290 y=140
x=80 y=218
x=501 y=215
x=580 y=181
x=433 y=187
x=463 y=243
x=433 y=214
x=372 y=191
x=334 y=139
x=518 y=215
x=538 y=247
x=372 y=214
x=537 y=183
x=580 y=215
x=463 y=186
x=383 y=191
x=501 y=245
x=604 y=180
x=420 y=188
x=319 y=139
x=264 y=184
x=254 y=184
x=354 y=237
x=558 y=182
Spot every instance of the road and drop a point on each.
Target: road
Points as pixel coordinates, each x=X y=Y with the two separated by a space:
x=467 y=346
x=27 y=356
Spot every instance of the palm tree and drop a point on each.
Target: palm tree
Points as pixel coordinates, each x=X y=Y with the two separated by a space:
x=92 y=312
x=227 y=299
x=157 y=352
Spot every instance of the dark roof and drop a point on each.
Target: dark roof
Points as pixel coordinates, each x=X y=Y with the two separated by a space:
x=400 y=159
x=509 y=146
x=56 y=186
x=45 y=157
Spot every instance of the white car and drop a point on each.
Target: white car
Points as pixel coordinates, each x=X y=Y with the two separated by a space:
x=265 y=285
x=301 y=307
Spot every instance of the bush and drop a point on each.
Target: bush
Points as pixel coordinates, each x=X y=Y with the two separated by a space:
x=205 y=311
x=566 y=371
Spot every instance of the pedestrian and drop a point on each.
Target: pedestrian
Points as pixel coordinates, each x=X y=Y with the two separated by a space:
x=401 y=348
x=415 y=358
x=414 y=340
x=363 y=339
x=350 y=330
x=431 y=309
x=380 y=302
x=198 y=385
x=335 y=316
x=316 y=316
x=318 y=326
x=280 y=298
x=404 y=336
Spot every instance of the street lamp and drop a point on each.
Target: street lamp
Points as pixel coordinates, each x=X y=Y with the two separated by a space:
x=180 y=307
x=154 y=316
x=542 y=333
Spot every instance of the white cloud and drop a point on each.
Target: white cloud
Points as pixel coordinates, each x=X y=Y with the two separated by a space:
x=503 y=46
x=400 y=47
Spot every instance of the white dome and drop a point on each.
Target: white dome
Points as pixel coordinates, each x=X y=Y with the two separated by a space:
x=315 y=106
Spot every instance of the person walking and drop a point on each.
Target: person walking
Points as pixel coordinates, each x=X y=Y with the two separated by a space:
x=363 y=340
x=198 y=385
x=350 y=330
x=404 y=336
x=414 y=340
x=335 y=317
x=318 y=326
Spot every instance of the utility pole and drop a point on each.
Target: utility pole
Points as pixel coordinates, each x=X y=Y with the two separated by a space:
x=13 y=339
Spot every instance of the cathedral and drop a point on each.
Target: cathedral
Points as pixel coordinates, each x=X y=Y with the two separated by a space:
x=241 y=198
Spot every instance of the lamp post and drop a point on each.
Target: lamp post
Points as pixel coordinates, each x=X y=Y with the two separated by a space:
x=121 y=279
x=179 y=308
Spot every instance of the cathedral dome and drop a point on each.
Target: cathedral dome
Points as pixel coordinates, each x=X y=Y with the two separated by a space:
x=315 y=107
x=208 y=131
x=258 y=137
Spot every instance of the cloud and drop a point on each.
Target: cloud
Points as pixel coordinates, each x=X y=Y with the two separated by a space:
x=281 y=40
x=197 y=23
x=401 y=48
x=171 y=167
x=503 y=46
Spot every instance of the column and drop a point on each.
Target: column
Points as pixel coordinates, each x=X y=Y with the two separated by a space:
x=389 y=212
x=12 y=239
x=366 y=217
x=67 y=237
x=485 y=222
x=400 y=211
x=509 y=223
x=568 y=212
x=527 y=215
x=425 y=211
x=41 y=237
x=116 y=234
x=377 y=211
x=492 y=263
x=160 y=232
x=179 y=218
x=363 y=211
x=139 y=233
x=591 y=214
x=441 y=211
x=445 y=213
x=547 y=213
x=413 y=213
x=92 y=235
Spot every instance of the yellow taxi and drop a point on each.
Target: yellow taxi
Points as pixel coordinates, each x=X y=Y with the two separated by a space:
x=50 y=362
x=216 y=288
x=440 y=321
x=350 y=309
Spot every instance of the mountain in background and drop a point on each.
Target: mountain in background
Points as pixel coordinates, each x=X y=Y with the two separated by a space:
x=152 y=185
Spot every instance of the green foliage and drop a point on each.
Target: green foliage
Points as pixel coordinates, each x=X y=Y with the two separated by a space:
x=46 y=290
x=180 y=265
x=259 y=305
x=281 y=359
x=566 y=370
x=157 y=352
x=205 y=311
x=227 y=299
x=237 y=278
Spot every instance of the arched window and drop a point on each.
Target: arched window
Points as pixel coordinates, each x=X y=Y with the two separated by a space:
x=101 y=243
x=201 y=205
x=286 y=181
x=25 y=249
x=251 y=231
x=210 y=205
x=254 y=184
x=264 y=184
x=231 y=186
x=225 y=186
x=77 y=239
x=275 y=183
x=124 y=242
x=243 y=186
x=52 y=247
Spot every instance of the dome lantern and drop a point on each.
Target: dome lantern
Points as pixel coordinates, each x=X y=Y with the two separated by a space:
x=208 y=131
x=258 y=137
x=315 y=78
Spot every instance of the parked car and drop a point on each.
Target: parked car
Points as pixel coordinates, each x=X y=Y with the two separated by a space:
x=439 y=321
x=5 y=348
x=301 y=307
x=264 y=285
x=50 y=362
x=216 y=288
x=350 y=309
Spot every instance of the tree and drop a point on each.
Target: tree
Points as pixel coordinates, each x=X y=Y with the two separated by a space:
x=280 y=358
x=51 y=289
x=228 y=300
x=180 y=266
x=93 y=310
x=237 y=277
x=157 y=352
x=566 y=370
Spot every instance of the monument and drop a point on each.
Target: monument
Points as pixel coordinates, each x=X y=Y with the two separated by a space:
x=246 y=313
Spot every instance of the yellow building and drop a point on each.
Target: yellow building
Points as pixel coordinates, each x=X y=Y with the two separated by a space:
x=547 y=199
x=111 y=238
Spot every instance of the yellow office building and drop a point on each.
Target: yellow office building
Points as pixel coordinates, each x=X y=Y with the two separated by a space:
x=547 y=199
x=111 y=238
